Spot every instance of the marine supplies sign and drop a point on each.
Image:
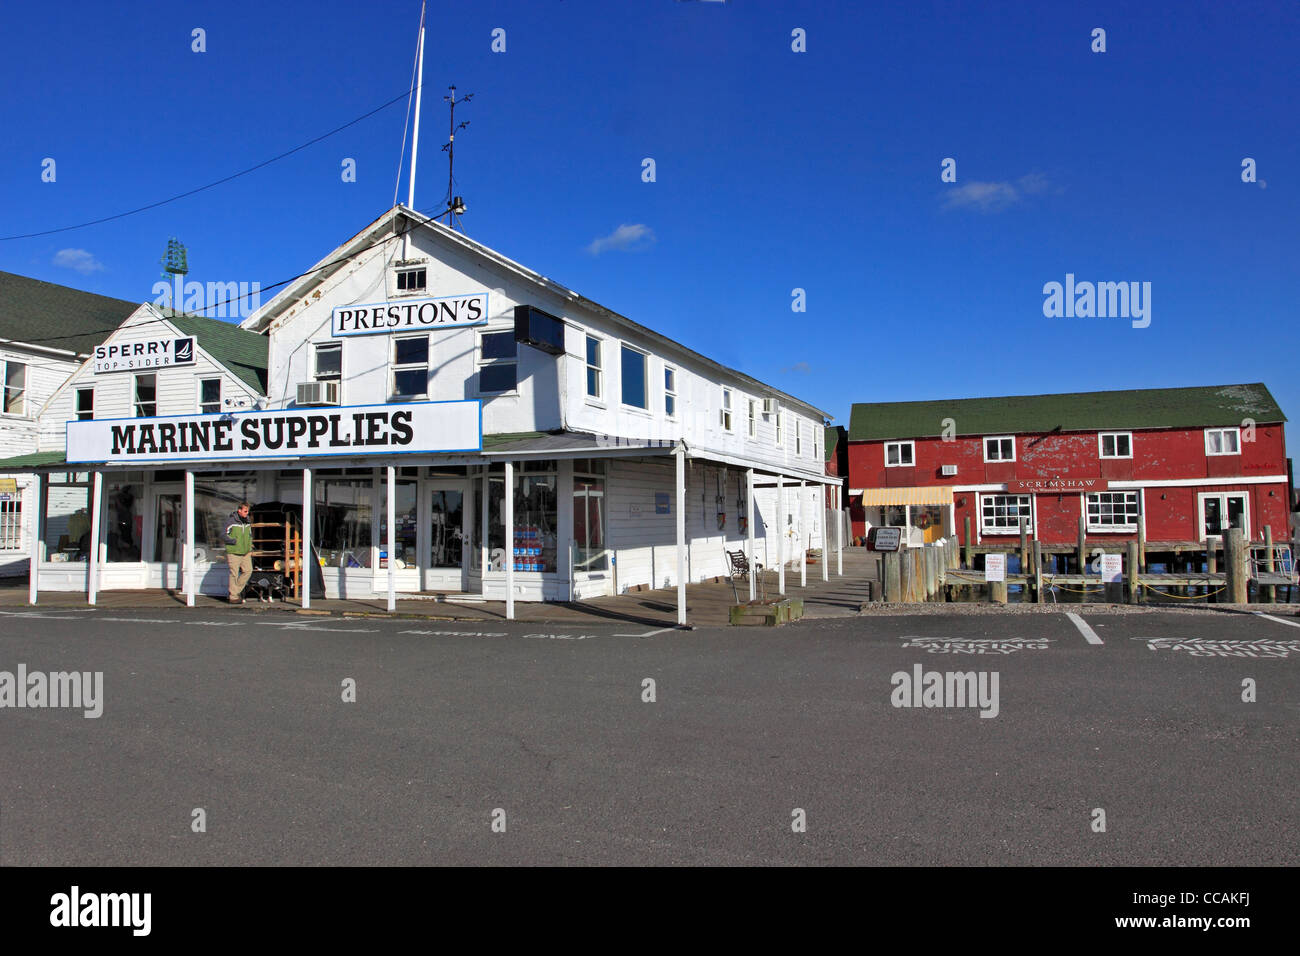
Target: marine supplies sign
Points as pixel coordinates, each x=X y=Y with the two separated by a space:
x=410 y=315
x=292 y=433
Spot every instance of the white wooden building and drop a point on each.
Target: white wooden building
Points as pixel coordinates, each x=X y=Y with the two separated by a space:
x=410 y=377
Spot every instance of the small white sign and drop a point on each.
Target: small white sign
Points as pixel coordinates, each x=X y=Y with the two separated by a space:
x=995 y=567
x=1112 y=568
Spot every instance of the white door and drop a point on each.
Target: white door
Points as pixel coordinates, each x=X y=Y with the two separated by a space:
x=1221 y=510
x=450 y=535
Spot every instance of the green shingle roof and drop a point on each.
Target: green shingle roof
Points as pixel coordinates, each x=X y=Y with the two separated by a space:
x=42 y=313
x=832 y=440
x=239 y=350
x=1070 y=411
x=36 y=459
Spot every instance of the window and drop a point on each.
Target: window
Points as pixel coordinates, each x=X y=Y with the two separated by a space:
x=780 y=421
x=999 y=449
x=329 y=362
x=633 y=368
x=209 y=395
x=146 y=396
x=670 y=392
x=11 y=523
x=900 y=454
x=1116 y=445
x=411 y=366
x=595 y=378
x=498 y=358
x=15 y=388
x=1001 y=514
x=753 y=418
x=798 y=437
x=1113 y=511
x=411 y=280
x=85 y=404
x=724 y=413
x=1218 y=441
x=536 y=510
x=341 y=521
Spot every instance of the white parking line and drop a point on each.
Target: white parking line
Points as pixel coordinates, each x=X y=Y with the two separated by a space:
x=1280 y=620
x=661 y=630
x=1088 y=633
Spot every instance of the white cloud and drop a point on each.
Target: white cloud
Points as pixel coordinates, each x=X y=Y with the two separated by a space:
x=802 y=368
x=625 y=237
x=78 y=259
x=995 y=196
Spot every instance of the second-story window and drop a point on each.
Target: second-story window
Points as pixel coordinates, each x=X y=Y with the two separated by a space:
x=146 y=395
x=328 y=362
x=595 y=371
x=798 y=437
x=209 y=395
x=498 y=362
x=85 y=404
x=900 y=454
x=411 y=280
x=634 y=380
x=1000 y=449
x=724 y=415
x=411 y=366
x=753 y=418
x=1222 y=441
x=670 y=392
x=780 y=421
x=15 y=400
x=1116 y=445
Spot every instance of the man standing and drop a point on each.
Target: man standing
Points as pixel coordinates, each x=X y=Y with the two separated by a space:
x=239 y=545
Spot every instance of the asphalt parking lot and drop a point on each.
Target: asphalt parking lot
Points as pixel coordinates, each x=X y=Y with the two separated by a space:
x=621 y=744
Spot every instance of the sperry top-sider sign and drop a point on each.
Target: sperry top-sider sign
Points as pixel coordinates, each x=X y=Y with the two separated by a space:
x=291 y=433
x=134 y=356
x=408 y=314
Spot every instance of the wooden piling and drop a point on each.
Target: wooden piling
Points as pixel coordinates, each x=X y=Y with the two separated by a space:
x=1024 y=547
x=893 y=564
x=1267 y=593
x=1083 y=544
x=966 y=562
x=1133 y=589
x=1038 y=572
x=1236 y=566
x=1142 y=544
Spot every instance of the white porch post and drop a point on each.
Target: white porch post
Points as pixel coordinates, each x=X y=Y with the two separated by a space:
x=840 y=518
x=749 y=527
x=485 y=553
x=188 y=566
x=781 y=525
x=680 y=505
x=804 y=537
x=825 y=535
x=37 y=550
x=392 y=538
x=307 y=561
x=92 y=565
x=510 y=540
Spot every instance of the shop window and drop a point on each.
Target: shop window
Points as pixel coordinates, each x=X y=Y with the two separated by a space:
x=724 y=413
x=15 y=397
x=11 y=523
x=900 y=454
x=670 y=392
x=404 y=506
x=589 y=523
x=67 y=518
x=1222 y=441
x=125 y=520
x=215 y=499
x=1001 y=514
x=327 y=362
x=410 y=366
x=753 y=418
x=85 y=404
x=633 y=369
x=209 y=395
x=498 y=362
x=412 y=280
x=595 y=371
x=146 y=395
x=1116 y=444
x=1113 y=511
x=1000 y=449
x=341 y=521
x=536 y=539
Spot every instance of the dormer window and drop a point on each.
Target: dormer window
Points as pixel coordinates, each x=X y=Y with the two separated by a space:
x=412 y=280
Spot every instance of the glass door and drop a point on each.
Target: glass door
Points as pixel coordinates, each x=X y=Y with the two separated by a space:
x=1223 y=510
x=450 y=539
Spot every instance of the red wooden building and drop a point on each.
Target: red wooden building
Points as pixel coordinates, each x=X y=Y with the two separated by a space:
x=1180 y=463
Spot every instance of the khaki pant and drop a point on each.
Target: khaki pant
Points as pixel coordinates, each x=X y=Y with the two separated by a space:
x=241 y=569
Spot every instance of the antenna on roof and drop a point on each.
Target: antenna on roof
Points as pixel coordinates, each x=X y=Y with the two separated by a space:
x=176 y=265
x=455 y=204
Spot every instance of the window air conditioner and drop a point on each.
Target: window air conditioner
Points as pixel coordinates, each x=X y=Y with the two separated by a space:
x=769 y=406
x=949 y=470
x=318 y=393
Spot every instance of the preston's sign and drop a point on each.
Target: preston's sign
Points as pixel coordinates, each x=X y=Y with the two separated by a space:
x=1057 y=485
x=410 y=314
x=134 y=356
x=291 y=433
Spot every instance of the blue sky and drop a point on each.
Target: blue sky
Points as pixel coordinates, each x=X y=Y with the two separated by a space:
x=775 y=170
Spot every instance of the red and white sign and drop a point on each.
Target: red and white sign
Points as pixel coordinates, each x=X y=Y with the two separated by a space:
x=1056 y=485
